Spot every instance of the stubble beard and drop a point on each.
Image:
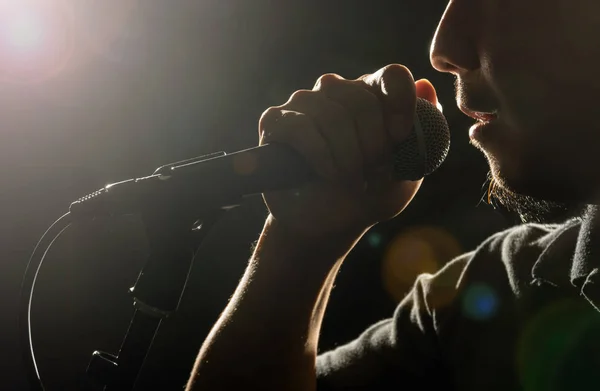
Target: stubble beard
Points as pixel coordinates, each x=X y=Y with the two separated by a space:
x=530 y=209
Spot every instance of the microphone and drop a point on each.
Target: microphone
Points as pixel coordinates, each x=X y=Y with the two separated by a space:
x=203 y=184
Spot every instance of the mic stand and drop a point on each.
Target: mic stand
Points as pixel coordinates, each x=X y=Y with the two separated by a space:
x=156 y=294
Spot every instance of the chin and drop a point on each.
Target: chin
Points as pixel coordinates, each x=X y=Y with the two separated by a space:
x=532 y=197
x=539 y=175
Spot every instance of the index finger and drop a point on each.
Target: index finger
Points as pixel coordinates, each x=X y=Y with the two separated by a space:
x=395 y=86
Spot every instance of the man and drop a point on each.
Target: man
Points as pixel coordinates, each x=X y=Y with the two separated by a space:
x=517 y=313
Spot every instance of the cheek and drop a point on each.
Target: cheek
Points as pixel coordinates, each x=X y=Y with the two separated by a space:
x=538 y=60
x=550 y=164
x=542 y=98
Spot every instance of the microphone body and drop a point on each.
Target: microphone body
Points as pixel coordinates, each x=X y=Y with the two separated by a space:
x=195 y=186
x=202 y=184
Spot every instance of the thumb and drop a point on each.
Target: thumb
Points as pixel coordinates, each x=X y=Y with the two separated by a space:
x=426 y=90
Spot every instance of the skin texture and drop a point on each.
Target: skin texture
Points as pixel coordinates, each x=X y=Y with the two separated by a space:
x=532 y=61
x=345 y=130
x=527 y=60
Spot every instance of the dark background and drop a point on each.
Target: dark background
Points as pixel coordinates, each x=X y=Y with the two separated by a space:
x=144 y=83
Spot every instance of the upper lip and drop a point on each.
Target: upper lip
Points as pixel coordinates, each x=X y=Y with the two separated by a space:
x=483 y=116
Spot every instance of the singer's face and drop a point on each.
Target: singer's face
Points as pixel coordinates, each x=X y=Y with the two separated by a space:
x=535 y=62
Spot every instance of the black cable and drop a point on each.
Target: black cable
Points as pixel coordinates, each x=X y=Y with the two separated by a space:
x=27 y=287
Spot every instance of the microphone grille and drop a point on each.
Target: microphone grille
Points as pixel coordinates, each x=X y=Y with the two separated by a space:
x=427 y=145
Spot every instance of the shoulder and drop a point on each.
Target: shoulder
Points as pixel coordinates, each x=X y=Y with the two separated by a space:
x=501 y=264
x=503 y=249
x=514 y=250
x=522 y=238
x=508 y=257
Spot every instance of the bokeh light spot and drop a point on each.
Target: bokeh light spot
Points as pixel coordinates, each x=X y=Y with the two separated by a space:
x=558 y=345
x=480 y=302
x=413 y=252
x=25 y=31
x=35 y=40
x=374 y=239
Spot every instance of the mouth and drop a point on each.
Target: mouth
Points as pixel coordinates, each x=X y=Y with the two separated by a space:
x=485 y=121
x=481 y=116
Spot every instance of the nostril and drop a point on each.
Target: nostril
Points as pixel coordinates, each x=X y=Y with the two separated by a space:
x=441 y=63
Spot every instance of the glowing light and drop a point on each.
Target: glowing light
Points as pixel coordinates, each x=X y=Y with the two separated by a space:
x=35 y=40
x=480 y=302
x=559 y=337
x=25 y=31
x=374 y=239
x=416 y=251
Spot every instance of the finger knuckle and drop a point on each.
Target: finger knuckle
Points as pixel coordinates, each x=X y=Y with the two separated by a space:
x=299 y=131
x=299 y=96
x=363 y=77
x=328 y=80
x=269 y=116
x=397 y=72
x=286 y=126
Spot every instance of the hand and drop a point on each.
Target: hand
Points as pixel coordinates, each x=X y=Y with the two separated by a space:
x=346 y=131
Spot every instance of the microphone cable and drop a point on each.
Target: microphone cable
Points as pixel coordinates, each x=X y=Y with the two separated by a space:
x=26 y=298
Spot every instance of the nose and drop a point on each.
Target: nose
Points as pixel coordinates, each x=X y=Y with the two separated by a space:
x=454 y=46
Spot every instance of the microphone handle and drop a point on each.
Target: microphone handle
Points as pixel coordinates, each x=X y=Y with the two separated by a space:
x=201 y=185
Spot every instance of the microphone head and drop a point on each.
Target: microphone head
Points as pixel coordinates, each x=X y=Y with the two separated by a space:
x=427 y=145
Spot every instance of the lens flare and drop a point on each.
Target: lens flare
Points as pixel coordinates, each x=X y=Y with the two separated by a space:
x=416 y=251
x=25 y=31
x=35 y=40
x=41 y=39
x=480 y=302
x=374 y=239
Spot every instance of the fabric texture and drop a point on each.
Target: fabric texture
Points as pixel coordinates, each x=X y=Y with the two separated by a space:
x=518 y=313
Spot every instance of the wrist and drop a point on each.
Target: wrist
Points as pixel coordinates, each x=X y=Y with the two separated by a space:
x=325 y=251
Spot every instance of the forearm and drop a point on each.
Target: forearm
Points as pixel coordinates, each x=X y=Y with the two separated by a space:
x=266 y=339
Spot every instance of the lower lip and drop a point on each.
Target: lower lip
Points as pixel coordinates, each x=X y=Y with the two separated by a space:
x=477 y=131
